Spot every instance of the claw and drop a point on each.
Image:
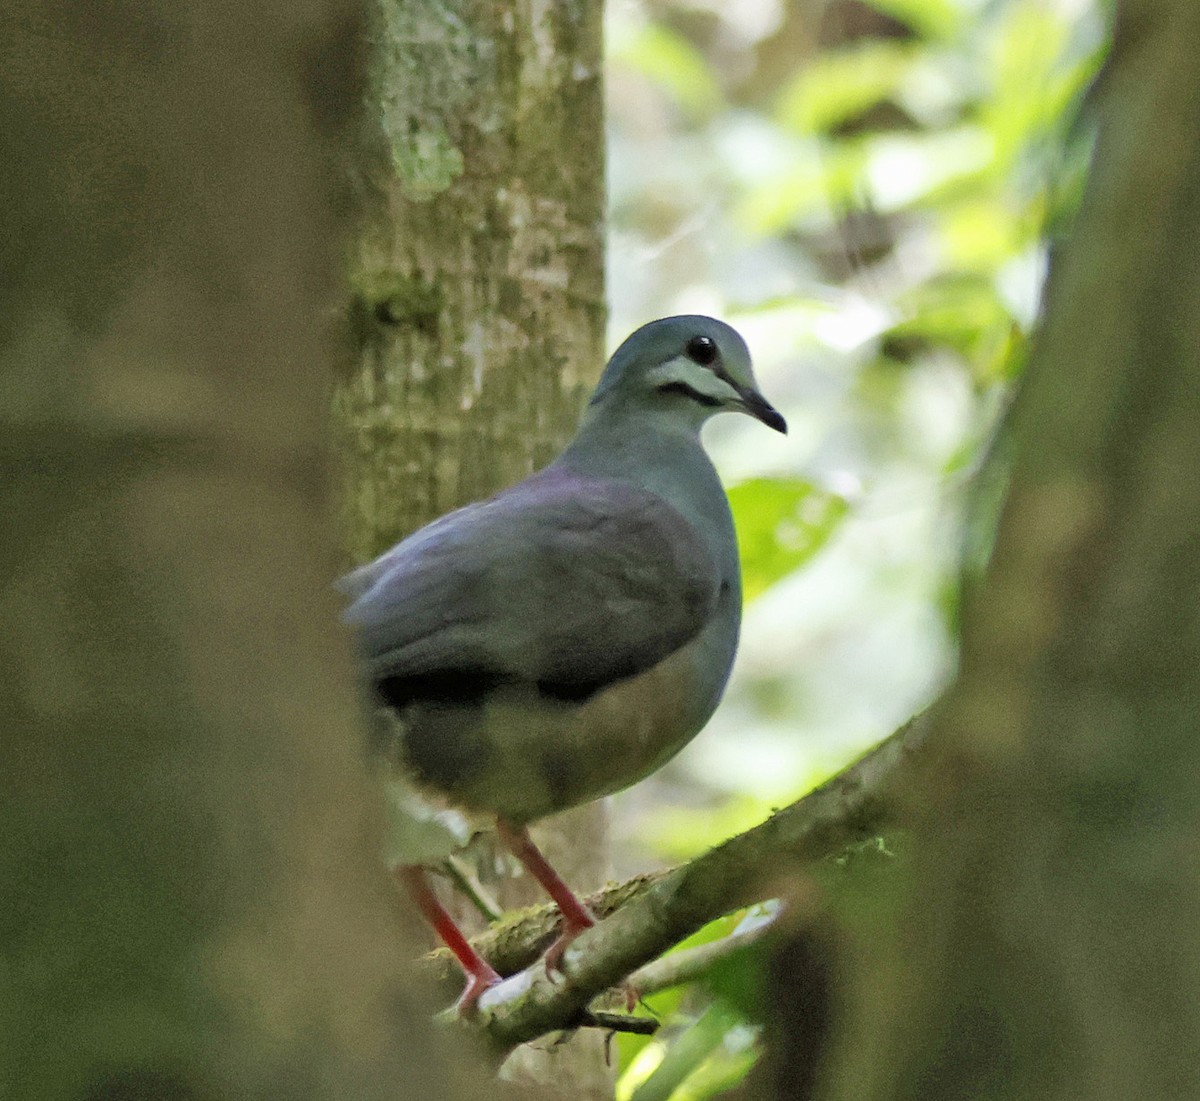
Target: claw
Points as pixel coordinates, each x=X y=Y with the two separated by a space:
x=571 y=929
x=477 y=983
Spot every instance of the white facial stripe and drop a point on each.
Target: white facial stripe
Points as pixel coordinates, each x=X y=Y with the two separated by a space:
x=700 y=379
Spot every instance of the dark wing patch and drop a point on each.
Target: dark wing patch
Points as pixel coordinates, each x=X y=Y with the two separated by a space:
x=564 y=582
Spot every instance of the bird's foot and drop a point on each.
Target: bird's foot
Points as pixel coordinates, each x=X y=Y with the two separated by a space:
x=479 y=980
x=573 y=925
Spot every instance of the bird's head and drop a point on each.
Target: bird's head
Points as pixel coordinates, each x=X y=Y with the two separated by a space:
x=686 y=367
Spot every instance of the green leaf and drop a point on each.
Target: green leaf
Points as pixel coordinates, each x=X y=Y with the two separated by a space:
x=673 y=63
x=840 y=85
x=781 y=524
x=981 y=234
x=962 y=312
x=827 y=179
x=738 y=979
x=1034 y=76
x=938 y=19
x=686 y=1070
x=724 y=1068
x=907 y=169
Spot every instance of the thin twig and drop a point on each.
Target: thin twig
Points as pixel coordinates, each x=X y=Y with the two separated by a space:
x=620 y=1022
x=689 y=964
x=464 y=879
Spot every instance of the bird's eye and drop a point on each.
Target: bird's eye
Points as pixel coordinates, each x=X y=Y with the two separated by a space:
x=702 y=350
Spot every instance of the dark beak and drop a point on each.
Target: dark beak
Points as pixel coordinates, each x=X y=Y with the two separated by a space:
x=760 y=409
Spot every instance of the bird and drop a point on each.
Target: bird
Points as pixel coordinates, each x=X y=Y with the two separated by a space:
x=566 y=637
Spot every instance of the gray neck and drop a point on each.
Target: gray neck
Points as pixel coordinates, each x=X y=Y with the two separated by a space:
x=653 y=447
x=656 y=449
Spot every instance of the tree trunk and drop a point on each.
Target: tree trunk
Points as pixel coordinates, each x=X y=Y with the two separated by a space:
x=478 y=306
x=188 y=841
x=1051 y=949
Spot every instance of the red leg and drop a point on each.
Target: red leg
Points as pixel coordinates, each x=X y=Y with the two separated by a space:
x=576 y=917
x=480 y=974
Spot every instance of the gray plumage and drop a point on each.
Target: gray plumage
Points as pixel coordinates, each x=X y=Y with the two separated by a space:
x=563 y=639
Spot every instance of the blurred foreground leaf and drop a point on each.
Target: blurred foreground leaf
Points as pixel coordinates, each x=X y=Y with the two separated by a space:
x=713 y=1054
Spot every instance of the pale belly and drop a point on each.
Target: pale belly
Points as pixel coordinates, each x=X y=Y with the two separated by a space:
x=522 y=755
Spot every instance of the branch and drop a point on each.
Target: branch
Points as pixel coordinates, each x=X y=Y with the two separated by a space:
x=523 y=935
x=853 y=806
x=689 y=964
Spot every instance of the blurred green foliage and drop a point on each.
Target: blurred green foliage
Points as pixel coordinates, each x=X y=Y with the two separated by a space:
x=866 y=188
x=781 y=524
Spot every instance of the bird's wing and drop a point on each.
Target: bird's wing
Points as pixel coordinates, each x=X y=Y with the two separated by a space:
x=563 y=581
